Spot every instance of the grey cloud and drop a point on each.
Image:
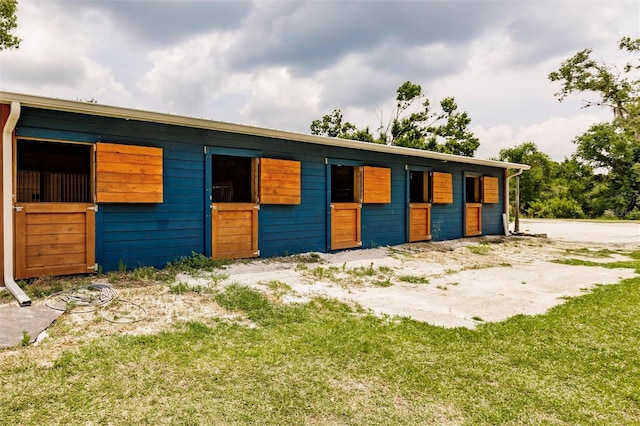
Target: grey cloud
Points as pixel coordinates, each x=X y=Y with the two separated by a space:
x=315 y=35
x=367 y=91
x=166 y=22
x=420 y=64
x=563 y=28
x=33 y=71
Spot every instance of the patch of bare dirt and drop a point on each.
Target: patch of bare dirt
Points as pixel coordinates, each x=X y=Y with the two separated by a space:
x=451 y=284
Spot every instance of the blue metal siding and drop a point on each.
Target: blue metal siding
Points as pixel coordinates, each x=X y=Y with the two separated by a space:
x=384 y=224
x=289 y=229
x=447 y=220
x=139 y=234
x=154 y=234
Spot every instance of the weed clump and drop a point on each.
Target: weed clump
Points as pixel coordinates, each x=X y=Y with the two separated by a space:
x=482 y=249
x=413 y=279
x=197 y=262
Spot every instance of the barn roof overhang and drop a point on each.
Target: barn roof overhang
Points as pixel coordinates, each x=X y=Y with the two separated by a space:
x=201 y=123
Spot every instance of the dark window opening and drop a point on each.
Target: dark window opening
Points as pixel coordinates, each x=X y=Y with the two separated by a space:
x=417 y=193
x=232 y=177
x=472 y=189
x=342 y=184
x=53 y=172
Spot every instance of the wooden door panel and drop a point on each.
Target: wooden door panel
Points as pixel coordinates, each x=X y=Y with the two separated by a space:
x=345 y=225
x=234 y=228
x=473 y=215
x=419 y=222
x=54 y=239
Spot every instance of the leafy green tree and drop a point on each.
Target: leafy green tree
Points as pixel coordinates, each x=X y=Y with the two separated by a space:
x=567 y=189
x=331 y=125
x=576 y=180
x=413 y=124
x=535 y=183
x=611 y=87
x=8 y=23
x=556 y=207
x=612 y=149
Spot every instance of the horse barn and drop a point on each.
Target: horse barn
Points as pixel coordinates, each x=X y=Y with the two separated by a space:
x=88 y=186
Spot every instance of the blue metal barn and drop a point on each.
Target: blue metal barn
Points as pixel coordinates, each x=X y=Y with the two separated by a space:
x=86 y=184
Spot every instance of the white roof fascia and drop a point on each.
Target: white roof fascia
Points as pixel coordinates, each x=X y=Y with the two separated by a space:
x=178 y=120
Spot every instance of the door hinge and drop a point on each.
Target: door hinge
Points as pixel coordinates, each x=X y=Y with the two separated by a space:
x=18 y=208
x=257 y=253
x=359 y=243
x=94 y=208
x=93 y=267
x=212 y=207
x=256 y=207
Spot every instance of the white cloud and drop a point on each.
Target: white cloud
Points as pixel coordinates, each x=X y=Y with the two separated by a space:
x=185 y=77
x=54 y=59
x=554 y=136
x=276 y=98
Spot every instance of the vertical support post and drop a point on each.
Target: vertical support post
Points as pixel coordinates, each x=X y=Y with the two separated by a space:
x=517 y=200
x=4 y=115
x=208 y=200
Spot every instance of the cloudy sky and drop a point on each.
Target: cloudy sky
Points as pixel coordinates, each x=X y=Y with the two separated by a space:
x=281 y=64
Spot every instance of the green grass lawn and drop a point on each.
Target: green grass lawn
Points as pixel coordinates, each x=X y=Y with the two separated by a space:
x=325 y=363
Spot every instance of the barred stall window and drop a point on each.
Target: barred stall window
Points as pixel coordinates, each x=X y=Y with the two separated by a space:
x=53 y=172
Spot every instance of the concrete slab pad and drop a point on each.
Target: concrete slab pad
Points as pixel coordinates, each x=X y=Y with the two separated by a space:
x=15 y=320
x=584 y=231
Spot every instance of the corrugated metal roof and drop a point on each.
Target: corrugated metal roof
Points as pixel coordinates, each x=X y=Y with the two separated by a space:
x=178 y=120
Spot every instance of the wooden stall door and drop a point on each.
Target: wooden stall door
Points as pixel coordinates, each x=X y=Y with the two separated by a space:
x=345 y=225
x=54 y=239
x=419 y=222
x=473 y=225
x=234 y=230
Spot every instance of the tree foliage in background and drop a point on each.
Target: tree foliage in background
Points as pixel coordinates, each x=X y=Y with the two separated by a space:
x=413 y=124
x=564 y=189
x=8 y=23
x=611 y=149
x=534 y=181
x=331 y=125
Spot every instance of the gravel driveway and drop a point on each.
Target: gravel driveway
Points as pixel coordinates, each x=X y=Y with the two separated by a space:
x=627 y=233
x=454 y=283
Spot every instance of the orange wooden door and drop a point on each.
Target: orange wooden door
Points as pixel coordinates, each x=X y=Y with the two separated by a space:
x=54 y=239
x=473 y=215
x=419 y=222
x=345 y=225
x=234 y=230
